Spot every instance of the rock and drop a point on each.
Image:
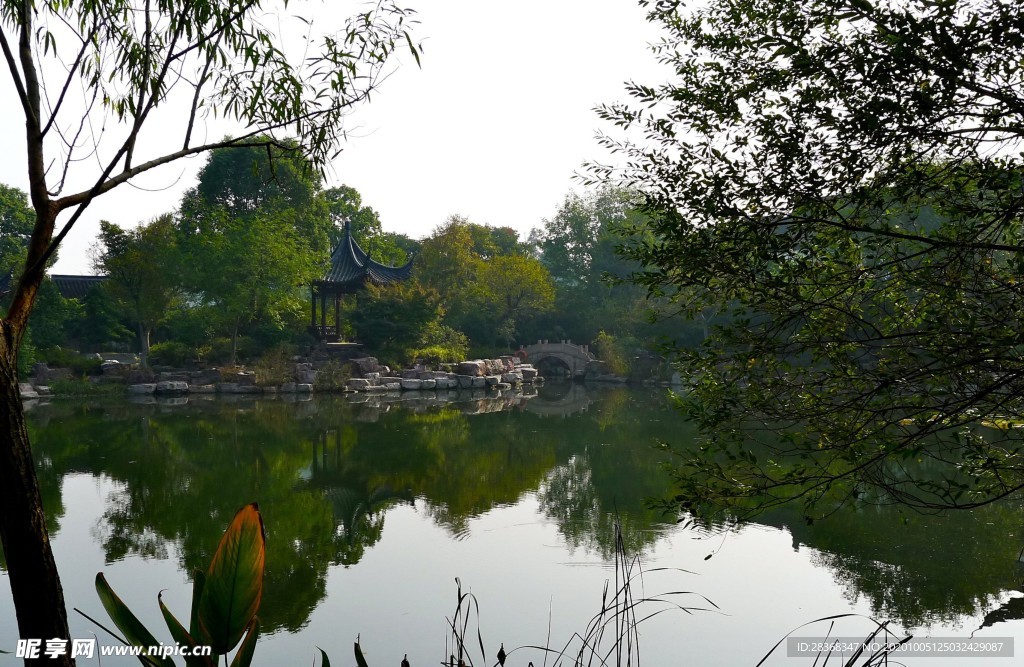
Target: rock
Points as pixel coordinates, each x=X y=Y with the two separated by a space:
x=245 y=379
x=111 y=366
x=471 y=368
x=46 y=374
x=248 y=389
x=175 y=377
x=426 y=375
x=428 y=384
x=376 y=389
x=207 y=376
x=359 y=384
x=443 y=383
x=512 y=378
x=479 y=382
x=492 y=380
x=386 y=380
x=411 y=384
x=139 y=376
x=374 y=378
x=27 y=391
x=302 y=368
x=464 y=381
x=43 y=390
x=528 y=372
x=171 y=387
x=288 y=388
x=141 y=389
x=303 y=388
x=410 y=374
x=503 y=385
x=306 y=377
x=394 y=386
x=365 y=365
x=202 y=389
x=227 y=388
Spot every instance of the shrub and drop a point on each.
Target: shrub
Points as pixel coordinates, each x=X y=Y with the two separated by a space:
x=58 y=357
x=170 y=353
x=220 y=350
x=437 y=354
x=332 y=376
x=275 y=366
x=611 y=352
x=82 y=387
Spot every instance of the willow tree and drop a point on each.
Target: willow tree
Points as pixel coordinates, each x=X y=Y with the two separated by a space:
x=96 y=78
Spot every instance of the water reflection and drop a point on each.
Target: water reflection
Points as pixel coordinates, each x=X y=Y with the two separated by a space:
x=327 y=471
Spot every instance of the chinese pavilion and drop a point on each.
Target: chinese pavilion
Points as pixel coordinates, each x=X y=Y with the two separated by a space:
x=350 y=270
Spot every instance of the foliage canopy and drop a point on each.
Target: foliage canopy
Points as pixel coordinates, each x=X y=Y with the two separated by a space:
x=841 y=181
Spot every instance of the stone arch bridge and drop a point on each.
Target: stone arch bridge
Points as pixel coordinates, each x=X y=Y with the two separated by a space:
x=562 y=353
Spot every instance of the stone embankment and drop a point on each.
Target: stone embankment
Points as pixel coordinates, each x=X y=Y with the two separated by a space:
x=481 y=374
x=357 y=375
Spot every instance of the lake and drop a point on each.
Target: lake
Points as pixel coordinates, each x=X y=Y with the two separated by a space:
x=375 y=509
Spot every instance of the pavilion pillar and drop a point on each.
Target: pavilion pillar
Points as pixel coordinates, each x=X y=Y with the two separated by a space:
x=337 y=316
x=323 y=313
x=312 y=295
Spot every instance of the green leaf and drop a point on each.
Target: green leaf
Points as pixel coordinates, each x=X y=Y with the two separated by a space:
x=325 y=661
x=182 y=637
x=198 y=583
x=244 y=656
x=234 y=582
x=360 y=660
x=134 y=631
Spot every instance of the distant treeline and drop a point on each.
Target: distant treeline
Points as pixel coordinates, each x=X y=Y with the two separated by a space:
x=223 y=278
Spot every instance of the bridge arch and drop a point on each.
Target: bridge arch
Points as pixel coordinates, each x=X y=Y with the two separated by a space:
x=573 y=357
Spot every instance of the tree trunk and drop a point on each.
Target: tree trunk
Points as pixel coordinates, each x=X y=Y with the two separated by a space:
x=35 y=584
x=234 y=343
x=144 y=332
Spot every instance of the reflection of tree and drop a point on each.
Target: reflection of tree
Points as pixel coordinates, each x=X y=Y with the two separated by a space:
x=917 y=569
x=611 y=477
x=325 y=478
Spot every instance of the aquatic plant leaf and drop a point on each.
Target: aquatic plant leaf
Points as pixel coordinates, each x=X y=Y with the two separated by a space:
x=134 y=631
x=360 y=660
x=325 y=661
x=244 y=656
x=234 y=582
x=198 y=584
x=181 y=636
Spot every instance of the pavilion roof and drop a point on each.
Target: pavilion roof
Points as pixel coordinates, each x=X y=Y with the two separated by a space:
x=351 y=267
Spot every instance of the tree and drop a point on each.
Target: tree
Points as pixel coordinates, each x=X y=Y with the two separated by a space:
x=255 y=228
x=486 y=281
x=346 y=206
x=392 y=317
x=16 y=218
x=840 y=179
x=142 y=265
x=112 y=66
x=506 y=290
x=579 y=246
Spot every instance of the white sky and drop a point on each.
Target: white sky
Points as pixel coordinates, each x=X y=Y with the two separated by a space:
x=492 y=127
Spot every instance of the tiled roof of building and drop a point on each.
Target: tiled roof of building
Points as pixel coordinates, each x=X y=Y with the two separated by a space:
x=75 y=287
x=70 y=287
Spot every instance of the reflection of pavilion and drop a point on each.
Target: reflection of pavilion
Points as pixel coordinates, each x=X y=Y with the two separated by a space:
x=357 y=510
x=350 y=270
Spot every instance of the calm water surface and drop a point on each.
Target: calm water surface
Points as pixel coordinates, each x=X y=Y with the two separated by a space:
x=374 y=509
